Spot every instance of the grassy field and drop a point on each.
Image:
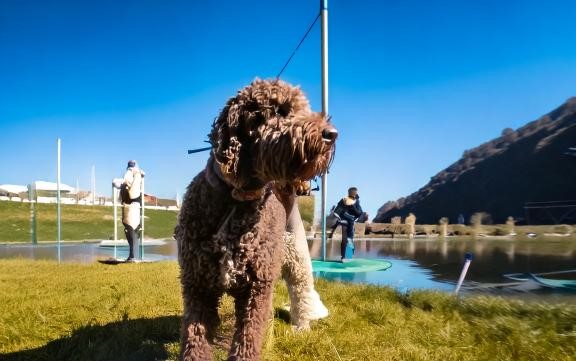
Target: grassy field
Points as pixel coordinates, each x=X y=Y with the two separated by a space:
x=80 y=222
x=77 y=222
x=132 y=312
x=306 y=206
x=96 y=223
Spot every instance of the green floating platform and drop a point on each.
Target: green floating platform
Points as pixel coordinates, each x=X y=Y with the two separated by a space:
x=352 y=266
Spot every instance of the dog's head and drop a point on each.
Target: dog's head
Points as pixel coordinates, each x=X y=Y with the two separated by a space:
x=267 y=132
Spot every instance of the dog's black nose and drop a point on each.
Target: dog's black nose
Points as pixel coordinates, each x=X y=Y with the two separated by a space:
x=330 y=134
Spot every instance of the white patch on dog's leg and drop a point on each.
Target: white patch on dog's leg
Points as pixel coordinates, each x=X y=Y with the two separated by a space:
x=318 y=309
x=305 y=303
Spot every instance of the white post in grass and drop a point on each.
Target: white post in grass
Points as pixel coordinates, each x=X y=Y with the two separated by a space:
x=58 y=198
x=324 y=35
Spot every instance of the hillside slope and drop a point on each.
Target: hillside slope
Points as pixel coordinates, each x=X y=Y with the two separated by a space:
x=498 y=177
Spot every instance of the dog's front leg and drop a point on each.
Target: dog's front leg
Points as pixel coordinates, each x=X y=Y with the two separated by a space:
x=305 y=303
x=253 y=310
x=199 y=324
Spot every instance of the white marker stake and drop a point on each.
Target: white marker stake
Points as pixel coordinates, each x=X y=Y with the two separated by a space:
x=468 y=259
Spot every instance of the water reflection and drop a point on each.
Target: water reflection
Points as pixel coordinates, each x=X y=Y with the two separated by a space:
x=437 y=263
x=84 y=252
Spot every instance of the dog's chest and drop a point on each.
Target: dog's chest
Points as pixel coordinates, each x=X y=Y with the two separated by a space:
x=248 y=249
x=234 y=265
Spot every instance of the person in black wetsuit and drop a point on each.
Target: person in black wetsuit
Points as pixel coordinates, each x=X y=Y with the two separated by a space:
x=349 y=209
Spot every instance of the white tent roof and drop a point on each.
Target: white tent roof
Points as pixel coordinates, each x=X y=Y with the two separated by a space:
x=51 y=186
x=13 y=188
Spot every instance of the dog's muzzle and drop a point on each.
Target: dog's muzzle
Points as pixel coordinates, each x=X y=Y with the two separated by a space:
x=329 y=135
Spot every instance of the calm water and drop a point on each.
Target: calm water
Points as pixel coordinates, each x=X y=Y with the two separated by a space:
x=84 y=252
x=421 y=263
x=437 y=264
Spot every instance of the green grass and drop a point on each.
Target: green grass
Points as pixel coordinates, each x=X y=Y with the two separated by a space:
x=77 y=222
x=306 y=207
x=132 y=312
x=80 y=222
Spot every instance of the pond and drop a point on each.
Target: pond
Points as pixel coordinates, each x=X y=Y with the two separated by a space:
x=416 y=264
x=437 y=264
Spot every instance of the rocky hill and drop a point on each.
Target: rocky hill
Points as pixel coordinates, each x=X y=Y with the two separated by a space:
x=499 y=177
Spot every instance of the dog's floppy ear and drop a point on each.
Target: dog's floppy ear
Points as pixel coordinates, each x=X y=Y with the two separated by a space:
x=230 y=130
x=225 y=143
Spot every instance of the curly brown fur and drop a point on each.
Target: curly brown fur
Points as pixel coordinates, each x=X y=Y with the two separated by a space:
x=266 y=142
x=269 y=118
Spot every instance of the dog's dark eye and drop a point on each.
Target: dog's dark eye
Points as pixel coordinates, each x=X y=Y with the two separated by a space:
x=251 y=106
x=284 y=109
x=258 y=119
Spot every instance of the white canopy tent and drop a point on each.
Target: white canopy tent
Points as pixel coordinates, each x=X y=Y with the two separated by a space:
x=12 y=189
x=51 y=186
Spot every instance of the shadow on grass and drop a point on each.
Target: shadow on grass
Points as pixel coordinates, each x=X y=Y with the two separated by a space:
x=126 y=340
x=282 y=314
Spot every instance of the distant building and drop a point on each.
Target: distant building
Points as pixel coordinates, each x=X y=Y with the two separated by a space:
x=12 y=192
x=46 y=192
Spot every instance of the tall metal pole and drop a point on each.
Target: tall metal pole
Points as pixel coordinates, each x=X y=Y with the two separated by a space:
x=93 y=186
x=32 y=198
x=77 y=190
x=58 y=198
x=114 y=205
x=324 y=34
x=142 y=220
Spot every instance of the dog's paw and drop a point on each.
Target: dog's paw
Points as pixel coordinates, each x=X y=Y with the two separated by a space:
x=318 y=309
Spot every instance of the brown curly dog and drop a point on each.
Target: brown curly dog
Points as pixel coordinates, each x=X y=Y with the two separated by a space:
x=265 y=143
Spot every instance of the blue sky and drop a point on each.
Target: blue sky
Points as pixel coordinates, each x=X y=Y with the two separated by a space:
x=412 y=84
